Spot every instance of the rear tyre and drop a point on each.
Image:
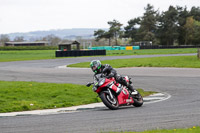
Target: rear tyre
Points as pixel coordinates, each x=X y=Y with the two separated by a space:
x=138 y=100
x=108 y=101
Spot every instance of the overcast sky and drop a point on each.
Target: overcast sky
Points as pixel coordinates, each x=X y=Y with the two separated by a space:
x=32 y=15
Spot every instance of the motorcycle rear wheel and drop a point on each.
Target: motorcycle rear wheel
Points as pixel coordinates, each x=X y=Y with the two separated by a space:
x=108 y=101
x=138 y=100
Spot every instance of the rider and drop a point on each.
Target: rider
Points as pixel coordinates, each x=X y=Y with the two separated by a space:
x=106 y=69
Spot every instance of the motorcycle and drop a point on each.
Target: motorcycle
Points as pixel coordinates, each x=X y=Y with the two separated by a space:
x=105 y=88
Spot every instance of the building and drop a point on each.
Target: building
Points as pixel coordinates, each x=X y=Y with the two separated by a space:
x=41 y=43
x=68 y=45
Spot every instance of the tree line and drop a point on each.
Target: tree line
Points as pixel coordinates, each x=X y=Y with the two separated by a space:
x=52 y=39
x=176 y=26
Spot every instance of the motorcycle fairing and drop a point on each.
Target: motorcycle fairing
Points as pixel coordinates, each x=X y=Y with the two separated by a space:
x=123 y=97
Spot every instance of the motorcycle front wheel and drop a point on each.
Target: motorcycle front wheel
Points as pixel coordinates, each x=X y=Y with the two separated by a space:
x=108 y=101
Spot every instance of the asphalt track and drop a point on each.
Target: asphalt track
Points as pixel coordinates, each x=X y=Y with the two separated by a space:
x=180 y=111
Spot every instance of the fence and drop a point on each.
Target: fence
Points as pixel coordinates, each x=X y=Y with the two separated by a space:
x=115 y=48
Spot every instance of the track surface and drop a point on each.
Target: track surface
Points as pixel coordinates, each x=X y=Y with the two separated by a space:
x=180 y=111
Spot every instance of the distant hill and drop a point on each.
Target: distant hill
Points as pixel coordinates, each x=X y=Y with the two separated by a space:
x=86 y=33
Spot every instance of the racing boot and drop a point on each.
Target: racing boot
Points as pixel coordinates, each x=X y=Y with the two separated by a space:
x=133 y=91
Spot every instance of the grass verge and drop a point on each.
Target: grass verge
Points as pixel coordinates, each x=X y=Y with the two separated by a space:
x=21 y=55
x=6 y=56
x=172 y=61
x=194 y=129
x=151 y=51
x=23 y=96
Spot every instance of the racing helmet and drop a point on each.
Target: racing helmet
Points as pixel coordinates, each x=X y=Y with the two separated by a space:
x=95 y=65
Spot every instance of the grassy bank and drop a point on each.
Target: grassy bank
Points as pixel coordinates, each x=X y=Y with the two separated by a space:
x=172 y=61
x=23 y=96
x=194 y=129
x=21 y=55
x=151 y=51
x=26 y=55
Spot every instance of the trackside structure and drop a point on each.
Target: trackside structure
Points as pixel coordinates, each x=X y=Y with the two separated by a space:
x=65 y=50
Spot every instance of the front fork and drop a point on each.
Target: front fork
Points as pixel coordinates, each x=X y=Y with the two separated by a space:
x=110 y=93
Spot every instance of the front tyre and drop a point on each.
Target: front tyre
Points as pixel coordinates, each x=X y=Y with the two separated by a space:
x=108 y=101
x=138 y=100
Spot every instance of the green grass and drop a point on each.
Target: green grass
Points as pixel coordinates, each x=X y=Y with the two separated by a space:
x=194 y=129
x=18 y=96
x=172 y=61
x=23 y=96
x=151 y=51
x=145 y=93
x=21 y=55
x=26 y=55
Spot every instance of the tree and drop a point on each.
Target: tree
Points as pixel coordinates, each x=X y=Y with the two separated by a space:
x=189 y=28
x=195 y=12
x=192 y=28
x=115 y=30
x=52 y=39
x=4 y=38
x=19 y=39
x=182 y=16
x=131 y=29
x=196 y=32
x=108 y=36
x=99 y=34
x=168 y=27
x=148 y=24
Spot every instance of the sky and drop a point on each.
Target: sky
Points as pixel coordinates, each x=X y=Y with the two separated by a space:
x=34 y=15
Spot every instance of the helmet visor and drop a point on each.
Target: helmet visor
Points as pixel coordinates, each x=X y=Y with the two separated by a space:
x=94 y=68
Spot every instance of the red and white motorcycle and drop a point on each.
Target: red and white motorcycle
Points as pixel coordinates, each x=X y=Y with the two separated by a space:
x=105 y=88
